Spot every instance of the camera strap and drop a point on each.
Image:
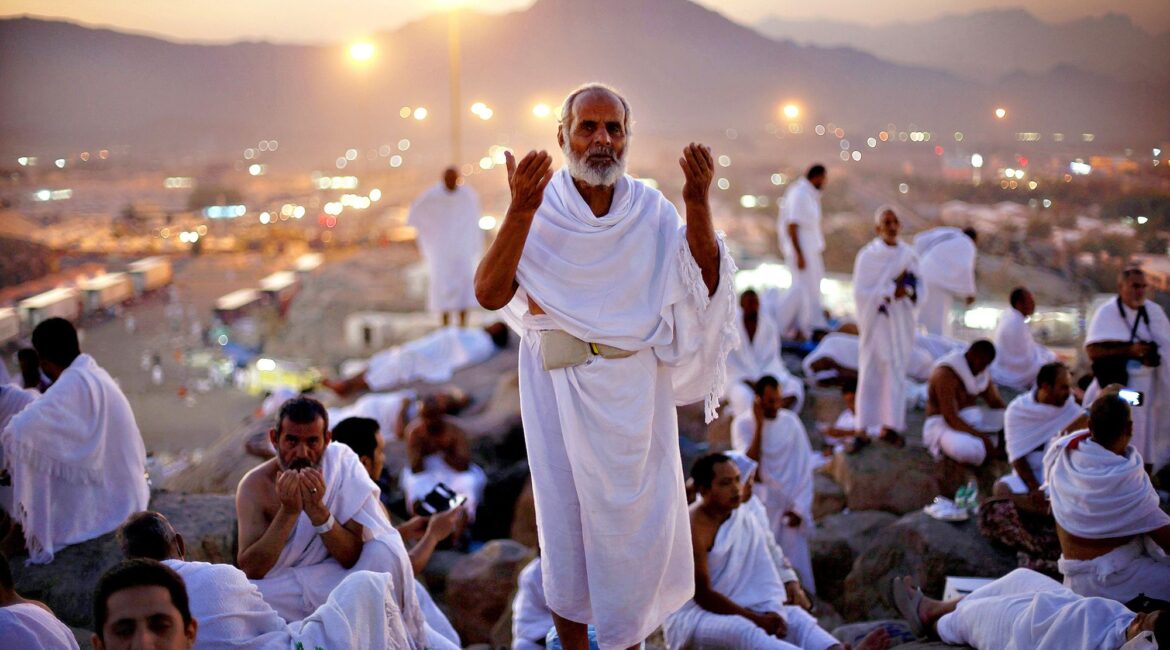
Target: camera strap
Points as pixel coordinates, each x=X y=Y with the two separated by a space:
x=1142 y=314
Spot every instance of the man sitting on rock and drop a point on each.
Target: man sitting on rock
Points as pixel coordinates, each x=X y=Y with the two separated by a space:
x=360 y=613
x=776 y=439
x=1019 y=357
x=439 y=452
x=758 y=355
x=739 y=594
x=955 y=425
x=311 y=515
x=142 y=604
x=1113 y=534
x=1025 y=609
x=28 y=624
x=75 y=456
x=432 y=358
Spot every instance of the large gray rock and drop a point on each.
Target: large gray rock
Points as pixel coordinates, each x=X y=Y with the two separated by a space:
x=922 y=547
x=207 y=523
x=828 y=496
x=837 y=541
x=881 y=477
x=480 y=587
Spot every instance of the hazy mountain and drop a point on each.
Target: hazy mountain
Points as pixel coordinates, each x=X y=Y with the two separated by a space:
x=989 y=44
x=688 y=72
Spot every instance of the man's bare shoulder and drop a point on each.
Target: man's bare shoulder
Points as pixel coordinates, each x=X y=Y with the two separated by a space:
x=943 y=375
x=260 y=480
x=703 y=528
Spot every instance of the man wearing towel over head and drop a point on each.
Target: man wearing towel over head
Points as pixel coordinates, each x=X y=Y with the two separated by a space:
x=625 y=311
x=75 y=456
x=446 y=217
x=884 y=290
x=1113 y=534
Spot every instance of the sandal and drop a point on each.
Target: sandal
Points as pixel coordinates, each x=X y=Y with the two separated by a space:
x=907 y=601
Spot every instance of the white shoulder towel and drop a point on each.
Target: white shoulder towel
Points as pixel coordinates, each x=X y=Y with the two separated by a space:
x=31 y=627
x=230 y=610
x=1029 y=425
x=1097 y=494
x=741 y=567
x=972 y=383
x=628 y=279
x=77 y=461
x=451 y=241
x=946 y=257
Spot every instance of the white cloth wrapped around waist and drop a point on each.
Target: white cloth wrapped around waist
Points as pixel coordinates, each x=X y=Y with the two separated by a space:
x=979 y=418
x=1103 y=566
x=1097 y=494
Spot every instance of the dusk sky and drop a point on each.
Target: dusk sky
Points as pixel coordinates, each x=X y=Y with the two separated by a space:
x=302 y=21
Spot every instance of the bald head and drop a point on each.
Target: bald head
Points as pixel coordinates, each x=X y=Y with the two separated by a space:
x=451 y=178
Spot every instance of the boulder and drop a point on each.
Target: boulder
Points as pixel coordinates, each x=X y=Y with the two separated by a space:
x=919 y=546
x=837 y=541
x=828 y=496
x=480 y=587
x=524 y=518
x=493 y=515
x=881 y=477
x=207 y=523
x=221 y=467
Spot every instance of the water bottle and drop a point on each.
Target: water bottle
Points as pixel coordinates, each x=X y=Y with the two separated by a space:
x=972 y=495
x=961 y=497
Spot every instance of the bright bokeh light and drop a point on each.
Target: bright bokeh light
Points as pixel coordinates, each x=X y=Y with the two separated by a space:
x=487 y=222
x=976 y=160
x=265 y=217
x=420 y=113
x=1000 y=113
x=266 y=365
x=361 y=51
x=791 y=111
x=486 y=114
x=255 y=169
x=748 y=201
x=405 y=112
x=375 y=195
x=542 y=110
x=478 y=107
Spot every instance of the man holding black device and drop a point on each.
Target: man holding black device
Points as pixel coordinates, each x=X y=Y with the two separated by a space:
x=1124 y=342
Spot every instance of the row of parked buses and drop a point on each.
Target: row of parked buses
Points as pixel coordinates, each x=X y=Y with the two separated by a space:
x=88 y=297
x=276 y=290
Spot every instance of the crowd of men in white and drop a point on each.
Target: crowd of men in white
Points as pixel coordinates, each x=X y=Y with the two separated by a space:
x=625 y=309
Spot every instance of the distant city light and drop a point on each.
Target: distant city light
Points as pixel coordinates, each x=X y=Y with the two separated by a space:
x=903 y=188
x=351 y=154
x=976 y=160
x=60 y=163
x=486 y=162
x=395 y=160
x=724 y=161
x=255 y=170
x=487 y=222
x=544 y=110
x=723 y=184
x=265 y=217
x=337 y=182
x=777 y=179
x=341 y=162
x=872 y=142
x=178 y=182
x=1000 y=113
x=819 y=129
x=1142 y=220
x=405 y=112
x=420 y=113
x=403 y=144
x=299 y=212
x=249 y=153
x=23 y=161
x=224 y=211
x=856 y=156
x=958 y=136
x=481 y=110
x=363 y=51
x=477 y=107
x=1080 y=167
x=1047 y=203
x=791 y=111
x=748 y=201
x=375 y=195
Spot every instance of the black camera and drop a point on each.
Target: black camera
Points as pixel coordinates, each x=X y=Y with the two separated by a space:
x=439 y=499
x=1153 y=357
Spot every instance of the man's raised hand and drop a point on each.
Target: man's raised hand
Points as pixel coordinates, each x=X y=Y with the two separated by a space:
x=698 y=169
x=288 y=490
x=312 y=484
x=527 y=180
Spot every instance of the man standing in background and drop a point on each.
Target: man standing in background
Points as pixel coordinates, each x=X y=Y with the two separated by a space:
x=801 y=242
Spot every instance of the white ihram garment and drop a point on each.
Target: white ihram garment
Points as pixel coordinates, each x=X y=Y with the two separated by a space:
x=30 y=627
x=432 y=358
x=13 y=399
x=602 y=437
x=77 y=461
x=469 y=483
x=361 y=612
x=887 y=334
x=305 y=573
x=1028 y=426
x=1151 y=420
x=1025 y=610
x=786 y=474
x=1097 y=494
x=755 y=358
x=742 y=568
x=946 y=259
x=941 y=439
x=801 y=205
x=451 y=242
x=1018 y=357
x=531 y=618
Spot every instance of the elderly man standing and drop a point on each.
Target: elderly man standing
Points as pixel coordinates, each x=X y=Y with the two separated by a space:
x=802 y=243
x=446 y=217
x=1019 y=355
x=885 y=290
x=311 y=516
x=624 y=314
x=956 y=426
x=1125 y=342
x=75 y=456
x=946 y=261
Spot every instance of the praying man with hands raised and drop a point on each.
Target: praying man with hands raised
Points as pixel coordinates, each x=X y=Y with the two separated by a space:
x=624 y=312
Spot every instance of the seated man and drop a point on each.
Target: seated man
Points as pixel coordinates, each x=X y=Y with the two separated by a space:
x=1034 y=419
x=776 y=439
x=955 y=425
x=142 y=604
x=311 y=515
x=76 y=458
x=1113 y=534
x=1027 y=610
x=29 y=624
x=1019 y=356
x=432 y=358
x=739 y=595
x=360 y=613
x=438 y=452
x=531 y=617
x=758 y=355
x=842 y=435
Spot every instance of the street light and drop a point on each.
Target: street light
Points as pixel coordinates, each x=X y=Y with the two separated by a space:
x=791 y=111
x=542 y=110
x=361 y=51
x=1000 y=113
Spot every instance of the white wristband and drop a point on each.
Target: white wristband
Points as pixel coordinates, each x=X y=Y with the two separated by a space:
x=325 y=527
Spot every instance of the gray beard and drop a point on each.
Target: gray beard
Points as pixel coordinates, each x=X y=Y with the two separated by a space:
x=581 y=170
